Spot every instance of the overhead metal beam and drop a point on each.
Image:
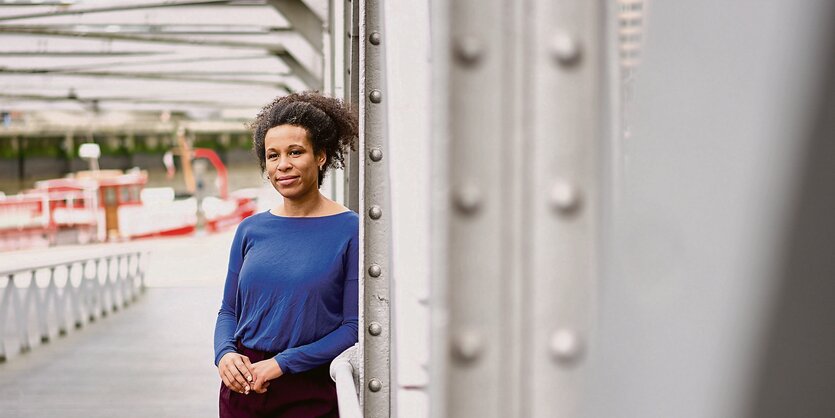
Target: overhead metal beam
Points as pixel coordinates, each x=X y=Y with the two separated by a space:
x=200 y=59
x=88 y=100
x=303 y=20
x=144 y=76
x=27 y=30
x=88 y=10
x=302 y=72
x=76 y=53
x=165 y=29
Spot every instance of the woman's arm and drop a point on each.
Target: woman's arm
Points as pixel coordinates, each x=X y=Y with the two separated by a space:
x=227 y=322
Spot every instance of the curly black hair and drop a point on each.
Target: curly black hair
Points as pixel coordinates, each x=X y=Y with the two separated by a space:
x=330 y=124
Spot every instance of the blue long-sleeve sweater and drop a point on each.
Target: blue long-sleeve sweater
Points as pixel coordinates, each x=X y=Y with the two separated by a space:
x=292 y=289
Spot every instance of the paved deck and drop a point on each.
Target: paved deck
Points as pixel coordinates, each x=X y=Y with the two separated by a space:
x=153 y=359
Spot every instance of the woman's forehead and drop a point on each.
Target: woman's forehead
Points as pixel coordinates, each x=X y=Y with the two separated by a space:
x=285 y=136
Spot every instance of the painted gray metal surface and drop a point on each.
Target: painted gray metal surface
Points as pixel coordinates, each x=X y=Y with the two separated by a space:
x=375 y=378
x=519 y=115
x=352 y=72
x=567 y=116
x=303 y=21
x=473 y=289
x=712 y=302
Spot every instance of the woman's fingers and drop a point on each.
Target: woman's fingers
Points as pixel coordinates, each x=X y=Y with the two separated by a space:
x=238 y=377
x=249 y=375
x=237 y=381
x=229 y=381
x=263 y=388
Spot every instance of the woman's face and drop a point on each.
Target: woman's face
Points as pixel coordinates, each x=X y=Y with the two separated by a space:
x=291 y=164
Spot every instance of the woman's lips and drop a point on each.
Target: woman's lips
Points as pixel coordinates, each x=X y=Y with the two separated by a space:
x=287 y=180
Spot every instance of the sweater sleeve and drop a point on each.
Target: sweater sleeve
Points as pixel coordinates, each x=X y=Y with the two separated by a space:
x=324 y=350
x=227 y=321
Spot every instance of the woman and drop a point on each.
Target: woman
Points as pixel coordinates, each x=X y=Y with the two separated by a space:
x=290 y=301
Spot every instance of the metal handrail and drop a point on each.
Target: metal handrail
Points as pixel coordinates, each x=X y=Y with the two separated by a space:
x=342 y=372
x=87 y=293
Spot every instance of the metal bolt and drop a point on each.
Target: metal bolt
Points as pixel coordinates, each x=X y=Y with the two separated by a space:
x=375 y=212
x=565 y=49
x=375 y=270
x=375 y=385
x=468 y=198
x=375 y=329
x=467 y=345
x=374 y=38
x=376 y=154
x=375 y=96
x=565 y=198
x=469 y=50
x=566 y=346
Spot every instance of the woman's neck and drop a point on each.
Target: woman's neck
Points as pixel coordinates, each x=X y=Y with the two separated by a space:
x=310 y=205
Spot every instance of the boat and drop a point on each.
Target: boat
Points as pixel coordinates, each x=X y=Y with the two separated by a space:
x=112 y=205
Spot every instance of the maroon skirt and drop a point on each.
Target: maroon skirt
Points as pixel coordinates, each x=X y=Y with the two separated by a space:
x=304 y=395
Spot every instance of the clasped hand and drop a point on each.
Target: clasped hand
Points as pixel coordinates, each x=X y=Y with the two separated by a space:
x=242 y=376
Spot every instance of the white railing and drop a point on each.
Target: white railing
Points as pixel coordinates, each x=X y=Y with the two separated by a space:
x=75 y=291
x=342 y=372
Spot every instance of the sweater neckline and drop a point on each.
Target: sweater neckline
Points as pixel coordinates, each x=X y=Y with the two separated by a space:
x=272 y=215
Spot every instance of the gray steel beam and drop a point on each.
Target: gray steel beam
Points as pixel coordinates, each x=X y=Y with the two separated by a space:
x=473 y=163
x=568 y=107
x=717 y=300
x=519 y=116
x=61 y=54
x=375 y=321
x=201 y=59
x=164 y=29
x=303 y=20
x=352 y=71
x=17 y=29
x=46 y=98
x=188 y=77
x=301 y=71
x=88 y=10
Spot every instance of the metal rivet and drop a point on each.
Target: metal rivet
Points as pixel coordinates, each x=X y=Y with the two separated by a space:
x=374 y=38
x=375 y=329
x=375 y=270
x=467 y=345
x=469 y=50
x=375 y=212
x=375 y=96
x=565 y=49
x=565 y=198
x=566 y=346
x=375 y=385
x=376 y=154
x=468 y=199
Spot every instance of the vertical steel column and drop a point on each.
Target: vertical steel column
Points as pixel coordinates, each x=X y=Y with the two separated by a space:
x=568 y=108
x=336 y=36
x=375 y=317
x=519 y=113
x=472 y=355
x=352 y=71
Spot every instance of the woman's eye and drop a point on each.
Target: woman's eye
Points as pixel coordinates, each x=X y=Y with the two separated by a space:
x=271 y=156
x=295 y=152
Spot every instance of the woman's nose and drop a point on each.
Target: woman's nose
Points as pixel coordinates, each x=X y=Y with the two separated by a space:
x=283 y=164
